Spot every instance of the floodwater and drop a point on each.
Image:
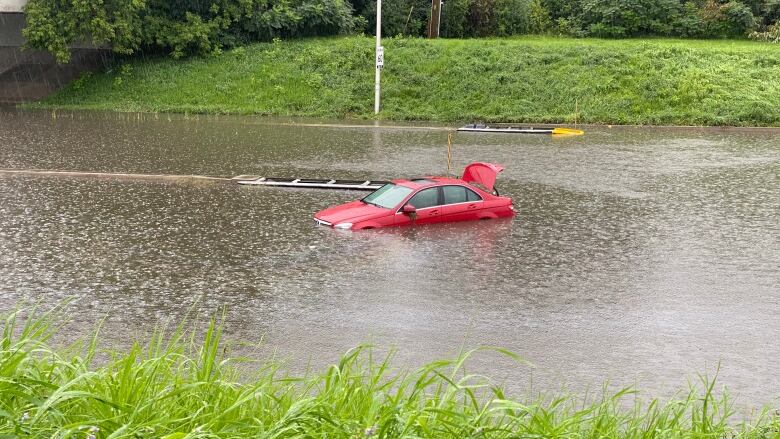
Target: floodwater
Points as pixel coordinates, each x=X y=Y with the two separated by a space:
x=640 y=256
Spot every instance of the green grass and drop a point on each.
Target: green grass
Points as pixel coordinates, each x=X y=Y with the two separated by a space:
x=535 y=79
x=186 y=386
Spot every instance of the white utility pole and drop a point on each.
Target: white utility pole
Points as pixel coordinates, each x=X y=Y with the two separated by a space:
x=380 y=55
x=438 y=21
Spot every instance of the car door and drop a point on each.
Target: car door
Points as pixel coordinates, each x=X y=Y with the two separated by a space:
x=460 y=204
x=428 y=204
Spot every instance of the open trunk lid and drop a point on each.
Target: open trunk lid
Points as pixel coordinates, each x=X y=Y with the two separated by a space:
x=483 y=174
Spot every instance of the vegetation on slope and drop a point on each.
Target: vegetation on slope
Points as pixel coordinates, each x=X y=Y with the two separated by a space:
x=183 y=386
x=181 y=27
x=530 y=79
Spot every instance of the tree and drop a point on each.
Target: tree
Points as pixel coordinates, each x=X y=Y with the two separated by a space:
x=728 y=19
x=399 y=17
x=180 y=27
x=513 y=17
x=539 y=18
x=626 y=18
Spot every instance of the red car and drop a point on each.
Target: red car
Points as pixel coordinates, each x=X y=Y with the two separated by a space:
x=424 y=201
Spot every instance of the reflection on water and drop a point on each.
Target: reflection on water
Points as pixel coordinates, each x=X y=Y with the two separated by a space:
x=638 y=255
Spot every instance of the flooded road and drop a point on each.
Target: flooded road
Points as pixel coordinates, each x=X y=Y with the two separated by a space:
x=639 y=255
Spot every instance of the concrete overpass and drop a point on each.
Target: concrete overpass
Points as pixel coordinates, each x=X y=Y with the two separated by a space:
x=27 y=75
x=11 y=22
x=12 y=5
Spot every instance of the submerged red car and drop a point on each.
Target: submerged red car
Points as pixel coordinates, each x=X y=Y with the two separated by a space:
x=424 y=201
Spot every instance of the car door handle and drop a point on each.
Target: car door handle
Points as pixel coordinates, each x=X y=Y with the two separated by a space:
x=434 y=212
x=472 y=206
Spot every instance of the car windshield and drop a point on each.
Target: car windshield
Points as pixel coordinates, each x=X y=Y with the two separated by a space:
x=387 y=196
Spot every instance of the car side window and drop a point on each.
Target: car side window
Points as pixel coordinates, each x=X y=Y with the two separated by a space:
x=425 y=198
x=454 y=194
x=472 y=196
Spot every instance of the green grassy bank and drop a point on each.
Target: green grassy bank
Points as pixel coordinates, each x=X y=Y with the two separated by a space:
x=654 y=81
x=185 y=386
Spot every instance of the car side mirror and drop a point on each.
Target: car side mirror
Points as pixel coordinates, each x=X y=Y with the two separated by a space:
x=409 y=209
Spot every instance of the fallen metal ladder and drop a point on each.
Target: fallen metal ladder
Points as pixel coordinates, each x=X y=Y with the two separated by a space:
x=359 y=185
x=556 y=131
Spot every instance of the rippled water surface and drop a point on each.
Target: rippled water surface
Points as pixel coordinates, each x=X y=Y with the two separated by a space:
x=639 y=255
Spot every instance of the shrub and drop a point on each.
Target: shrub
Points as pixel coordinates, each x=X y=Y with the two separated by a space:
x=690 y=23
x=621 y=18
x=539 y=18
x=513 y=17
x=731 y=19
x=455 y=19
x=567 y=9
x=738 y=18
x=399 y=17
x=481 y=18
x=771 y=35
x=570 y=27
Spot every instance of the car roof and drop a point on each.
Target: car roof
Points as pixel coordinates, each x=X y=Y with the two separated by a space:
x=417 y=183
x=407 y=183
x=449 y=180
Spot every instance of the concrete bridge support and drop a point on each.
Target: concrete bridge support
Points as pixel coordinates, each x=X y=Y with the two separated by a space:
x=28 y=75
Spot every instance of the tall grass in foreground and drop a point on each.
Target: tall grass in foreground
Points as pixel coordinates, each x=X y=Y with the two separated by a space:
x=183 y=386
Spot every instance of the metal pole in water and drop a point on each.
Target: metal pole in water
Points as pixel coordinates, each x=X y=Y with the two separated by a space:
x=380 y=56
x=449 y=153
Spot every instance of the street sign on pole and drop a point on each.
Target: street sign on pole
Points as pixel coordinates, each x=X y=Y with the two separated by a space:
x=380 y=55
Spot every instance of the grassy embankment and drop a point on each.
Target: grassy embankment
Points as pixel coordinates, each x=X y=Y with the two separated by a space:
x=183 y=386
x=652 y=81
